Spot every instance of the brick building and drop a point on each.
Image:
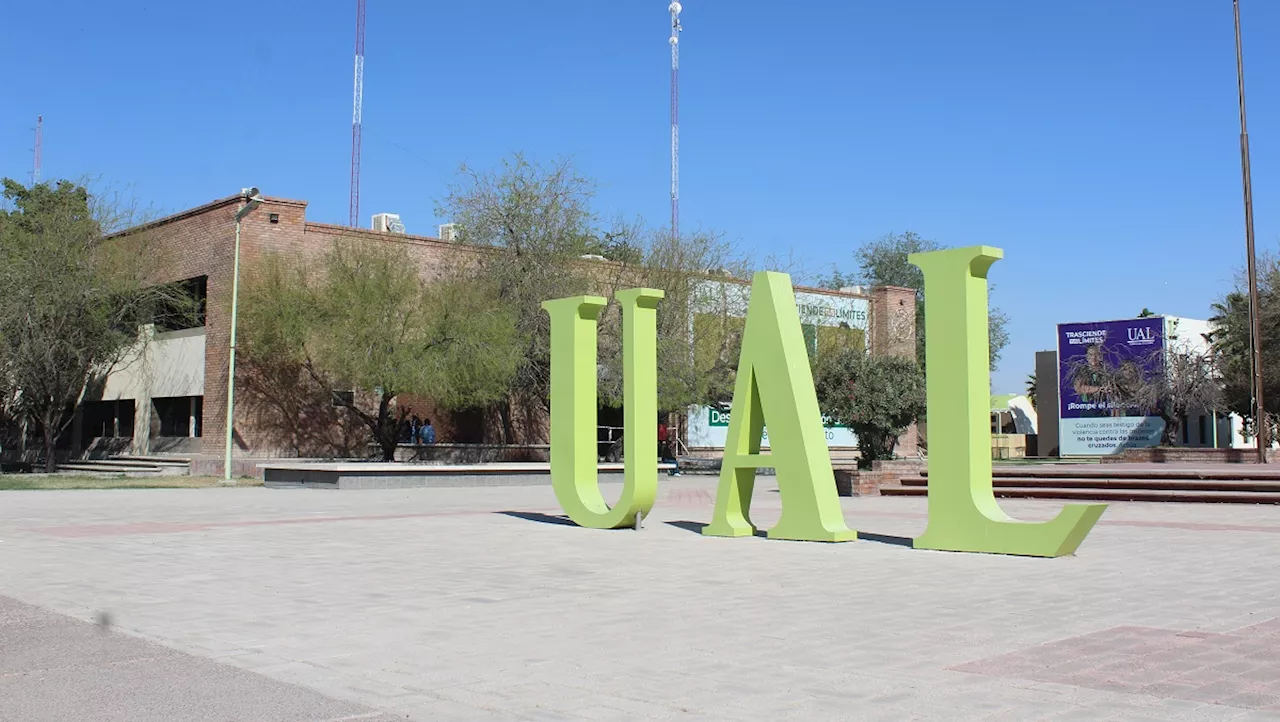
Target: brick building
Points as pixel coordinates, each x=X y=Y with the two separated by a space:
x=172 y=398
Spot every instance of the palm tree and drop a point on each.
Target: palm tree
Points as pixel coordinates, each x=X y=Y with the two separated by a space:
x=1031 y=389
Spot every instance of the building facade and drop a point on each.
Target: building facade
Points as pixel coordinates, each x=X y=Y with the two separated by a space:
x=171 y=397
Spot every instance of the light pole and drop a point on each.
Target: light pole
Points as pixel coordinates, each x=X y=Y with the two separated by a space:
x=1255 y=322
x=251 y=200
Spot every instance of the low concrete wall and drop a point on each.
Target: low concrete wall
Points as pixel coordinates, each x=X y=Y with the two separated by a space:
x=390 y=475
x=241 y=467
x=470 y=453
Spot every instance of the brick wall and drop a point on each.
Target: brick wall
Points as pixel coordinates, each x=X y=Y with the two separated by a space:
x=893 y=333
x=893 y=321
x=864 y=482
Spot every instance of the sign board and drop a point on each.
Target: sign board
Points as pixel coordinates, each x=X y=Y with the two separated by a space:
x=821 y=309
x=709 y=427
x=1090 y=425
x=823 y=317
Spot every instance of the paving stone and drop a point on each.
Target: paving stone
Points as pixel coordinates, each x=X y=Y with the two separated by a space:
x=476 y=604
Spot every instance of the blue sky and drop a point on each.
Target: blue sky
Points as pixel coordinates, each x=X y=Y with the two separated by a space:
x=1096 y=141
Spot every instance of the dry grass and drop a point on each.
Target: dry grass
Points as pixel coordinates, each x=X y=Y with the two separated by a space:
x=10 y=482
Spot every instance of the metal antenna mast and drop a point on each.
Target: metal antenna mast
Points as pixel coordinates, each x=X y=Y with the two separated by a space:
x=1255 y=323
x=38 y=150
x=675 y=9
x=356 y=112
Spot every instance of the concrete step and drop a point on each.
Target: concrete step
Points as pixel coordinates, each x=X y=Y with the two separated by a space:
x=165 y=461
x=130 y=466
x=89 y=467
x=115 y=463
x=1161 y=495
x=1203 y=485
x=1229 y=472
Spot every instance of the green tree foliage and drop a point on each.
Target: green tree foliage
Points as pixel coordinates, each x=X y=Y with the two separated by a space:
x=363 y=321
x=73 y=301
x=1231 y=347
x=554 y=245
x=540 y=219
x=876 y=397
x=700 y=319
x=883 y=262
x=1033 y=387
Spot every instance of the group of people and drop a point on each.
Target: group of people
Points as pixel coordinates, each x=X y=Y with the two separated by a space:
x=417 y=431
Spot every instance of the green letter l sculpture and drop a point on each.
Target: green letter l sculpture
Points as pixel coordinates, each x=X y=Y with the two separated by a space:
x=574 y=407
x=963 y=513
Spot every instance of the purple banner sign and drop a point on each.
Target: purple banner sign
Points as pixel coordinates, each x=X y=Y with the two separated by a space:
x=1090 y=424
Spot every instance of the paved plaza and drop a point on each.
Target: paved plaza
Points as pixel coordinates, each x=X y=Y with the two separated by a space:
x=464 y=604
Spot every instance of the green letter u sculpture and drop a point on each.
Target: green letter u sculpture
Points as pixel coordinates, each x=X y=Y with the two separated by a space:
x=963 y=513
x=574 y=407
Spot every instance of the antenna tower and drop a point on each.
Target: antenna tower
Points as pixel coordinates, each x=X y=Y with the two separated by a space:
x=676 y=29
x=357 y=105
x=38 y=150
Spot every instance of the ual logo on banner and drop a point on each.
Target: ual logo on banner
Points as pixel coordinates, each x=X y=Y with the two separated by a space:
x=774 y=384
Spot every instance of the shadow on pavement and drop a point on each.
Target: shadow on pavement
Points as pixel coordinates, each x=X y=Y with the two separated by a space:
x=539 y=517
x=899 y=541
x=696 y=527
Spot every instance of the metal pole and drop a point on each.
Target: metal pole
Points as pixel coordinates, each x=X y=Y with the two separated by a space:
x=231 y=362
x=1255 y=323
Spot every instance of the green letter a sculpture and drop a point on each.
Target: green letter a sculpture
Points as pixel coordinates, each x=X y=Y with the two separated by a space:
x=774 y=383
x=963 y=513
x=574 y=408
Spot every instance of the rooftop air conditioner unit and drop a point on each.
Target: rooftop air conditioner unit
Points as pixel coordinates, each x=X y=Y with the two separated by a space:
x=388 y=223
x=449 y=232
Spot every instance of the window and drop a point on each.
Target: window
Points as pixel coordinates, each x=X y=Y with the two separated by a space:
x=107 y=419
x=180 y=416
x=184 y=305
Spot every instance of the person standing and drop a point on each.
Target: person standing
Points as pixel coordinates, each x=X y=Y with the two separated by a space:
x=428 y=432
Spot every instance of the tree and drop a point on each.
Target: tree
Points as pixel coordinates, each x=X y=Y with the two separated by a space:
x=883 y=262
x=700 y=319
x=1231 y=345
x=1032 y=388
x=365 y=327
x=73 y=301
x=877 y=397
x=539 y=220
